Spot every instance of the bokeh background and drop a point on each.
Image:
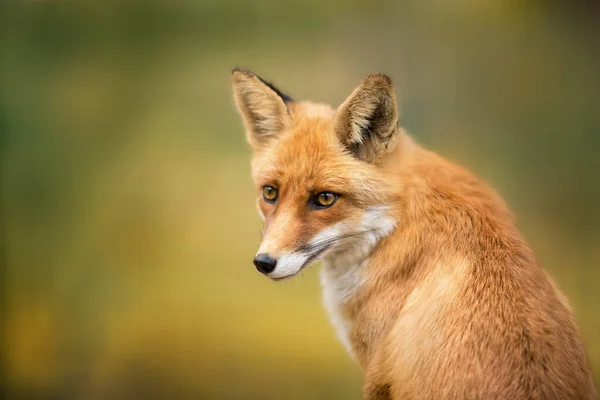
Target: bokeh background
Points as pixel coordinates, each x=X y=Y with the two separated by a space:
x=128 y=213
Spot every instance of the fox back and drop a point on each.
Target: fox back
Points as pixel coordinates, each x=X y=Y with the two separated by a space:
x=430 y=286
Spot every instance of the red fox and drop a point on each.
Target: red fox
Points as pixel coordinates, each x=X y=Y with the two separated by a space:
x=429 y=284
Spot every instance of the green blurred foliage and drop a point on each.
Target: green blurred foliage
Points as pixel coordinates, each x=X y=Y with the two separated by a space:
x=128 y=210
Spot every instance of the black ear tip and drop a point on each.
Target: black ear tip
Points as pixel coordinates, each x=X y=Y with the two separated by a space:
x=242 y=71
x=235 y=73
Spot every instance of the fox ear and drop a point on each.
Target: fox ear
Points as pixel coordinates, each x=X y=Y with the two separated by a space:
x=262 y=107
x=367 y=122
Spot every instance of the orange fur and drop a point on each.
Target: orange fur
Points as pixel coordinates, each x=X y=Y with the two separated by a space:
x=450 y=302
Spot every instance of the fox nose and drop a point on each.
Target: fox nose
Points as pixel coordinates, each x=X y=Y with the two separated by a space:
x=265 y=263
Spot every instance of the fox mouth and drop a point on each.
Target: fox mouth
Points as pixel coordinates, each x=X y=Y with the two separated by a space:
x=306 y=263
x=309 y=253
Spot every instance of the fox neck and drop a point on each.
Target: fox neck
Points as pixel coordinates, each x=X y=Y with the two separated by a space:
x=342 y=273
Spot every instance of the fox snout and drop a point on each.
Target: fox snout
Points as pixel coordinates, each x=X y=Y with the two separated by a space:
x=282 y=265
x=287 y=264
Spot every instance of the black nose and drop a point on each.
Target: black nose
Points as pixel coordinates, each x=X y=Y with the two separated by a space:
x=264 y=263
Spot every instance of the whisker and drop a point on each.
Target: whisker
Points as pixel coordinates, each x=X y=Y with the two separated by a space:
x=331 y=240
x=328 y=241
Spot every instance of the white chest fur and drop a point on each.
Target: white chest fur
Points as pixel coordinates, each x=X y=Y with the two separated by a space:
x=340 y=284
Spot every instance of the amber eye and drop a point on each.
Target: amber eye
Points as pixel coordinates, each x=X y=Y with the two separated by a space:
x=269 y=194
x=325 y=199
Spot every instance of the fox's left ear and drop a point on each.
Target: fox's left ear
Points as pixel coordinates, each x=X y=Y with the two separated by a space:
x=367 y=122
x=262 y=106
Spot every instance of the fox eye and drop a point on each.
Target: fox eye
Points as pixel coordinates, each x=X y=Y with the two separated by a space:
x=325 y=199
x=269 y=194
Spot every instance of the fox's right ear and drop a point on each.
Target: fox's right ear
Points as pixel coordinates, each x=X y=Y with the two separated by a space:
x=262 y=106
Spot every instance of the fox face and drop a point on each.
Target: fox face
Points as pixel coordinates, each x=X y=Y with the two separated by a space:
x=322 y=190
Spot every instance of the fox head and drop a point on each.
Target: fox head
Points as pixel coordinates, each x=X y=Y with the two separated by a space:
x=324 y=188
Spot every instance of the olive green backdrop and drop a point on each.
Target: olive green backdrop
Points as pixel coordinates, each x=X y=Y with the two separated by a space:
x=128 y=213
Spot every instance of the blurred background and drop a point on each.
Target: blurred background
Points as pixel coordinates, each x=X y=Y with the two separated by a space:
x=129 y=221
